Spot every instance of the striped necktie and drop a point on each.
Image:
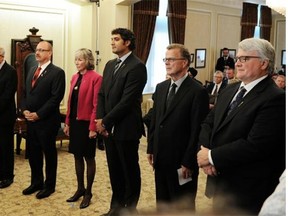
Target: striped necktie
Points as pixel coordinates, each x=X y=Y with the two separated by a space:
x=117 y=66
x=36 y=75
x=235 y=103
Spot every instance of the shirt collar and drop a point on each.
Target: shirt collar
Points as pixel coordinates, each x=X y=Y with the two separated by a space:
x=124 y=57
x=252 y=84
x=179 y=81
x=43 y=67
x=2 y=63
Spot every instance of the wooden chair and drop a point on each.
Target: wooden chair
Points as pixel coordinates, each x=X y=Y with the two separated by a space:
x=23 y=58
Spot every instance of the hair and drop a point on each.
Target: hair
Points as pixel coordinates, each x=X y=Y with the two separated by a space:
x=281 y=76
x=230 y=68
x=219 y=72
x=183 y=50
x=87 y=55
x=225 y=48
x=264 y=49
x=2 y=51
x=193 y=71
x=50 y=47
x=126 y=35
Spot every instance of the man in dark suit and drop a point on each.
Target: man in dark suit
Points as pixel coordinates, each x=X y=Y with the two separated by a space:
x=225 y=61
x=174 y=131
x=8 y=87
x=119 y=120
x=243 y=139
x=43 y=93
x=215 y=88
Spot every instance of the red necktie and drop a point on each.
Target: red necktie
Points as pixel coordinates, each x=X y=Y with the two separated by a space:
x=35 y=77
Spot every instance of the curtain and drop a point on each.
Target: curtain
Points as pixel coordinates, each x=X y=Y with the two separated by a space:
x=176 y=13
x=145 y=13
x=265 y=22
x=248 y=20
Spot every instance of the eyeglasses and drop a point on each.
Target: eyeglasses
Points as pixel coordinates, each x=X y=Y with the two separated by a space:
x=243 y=59
x=172 y=59
x=41 y=50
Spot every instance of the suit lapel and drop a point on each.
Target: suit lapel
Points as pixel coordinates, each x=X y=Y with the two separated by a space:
x=247 y=101
x=162 y=100
x=178 y=97
x=112 y=78
x=109 y=72
x=41 y=77
x=122 y=66
x=223 y=105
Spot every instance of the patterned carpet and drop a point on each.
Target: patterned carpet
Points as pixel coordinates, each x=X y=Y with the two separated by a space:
x=13 y=203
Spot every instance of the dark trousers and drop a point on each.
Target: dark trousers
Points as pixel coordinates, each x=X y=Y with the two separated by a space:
x=6 y=152
x=42 y=142
x=168 y=190
x=124 y=171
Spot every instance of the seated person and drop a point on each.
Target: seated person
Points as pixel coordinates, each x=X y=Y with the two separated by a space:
x=283 y=70
x=215 y=88
x=231 y=76
x=192 y=72
x=281 y=81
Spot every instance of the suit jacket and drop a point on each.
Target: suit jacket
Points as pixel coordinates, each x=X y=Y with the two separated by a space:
x=8 y=87
x=212 y=98
x=248 y=146
x=173 y=134
x=211 y=86
x=45 y=97
x=87 y=98
x=120 y=97
x=221 y=63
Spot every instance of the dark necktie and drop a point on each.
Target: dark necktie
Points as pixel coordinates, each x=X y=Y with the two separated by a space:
x=117 y=66
x=215 y=90
x=36 y=75
x=170 y=96
x=237 y=100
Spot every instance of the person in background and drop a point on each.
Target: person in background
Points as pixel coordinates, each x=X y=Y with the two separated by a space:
x=215 y=88
x=281 y=81
x=192 y=72
x=274 y=75
x=231 y=76
x=44 y=90
x=119 y=120
x=173 y=133
x=242 y=140
x=80 y=125
x=225 y=61
x=282 y=71
x=8 y=87
x=148 y=115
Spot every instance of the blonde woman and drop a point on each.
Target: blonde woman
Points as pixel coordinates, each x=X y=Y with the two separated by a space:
x=80 y=126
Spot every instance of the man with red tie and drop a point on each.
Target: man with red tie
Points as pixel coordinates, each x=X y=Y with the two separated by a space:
x=43 y=93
